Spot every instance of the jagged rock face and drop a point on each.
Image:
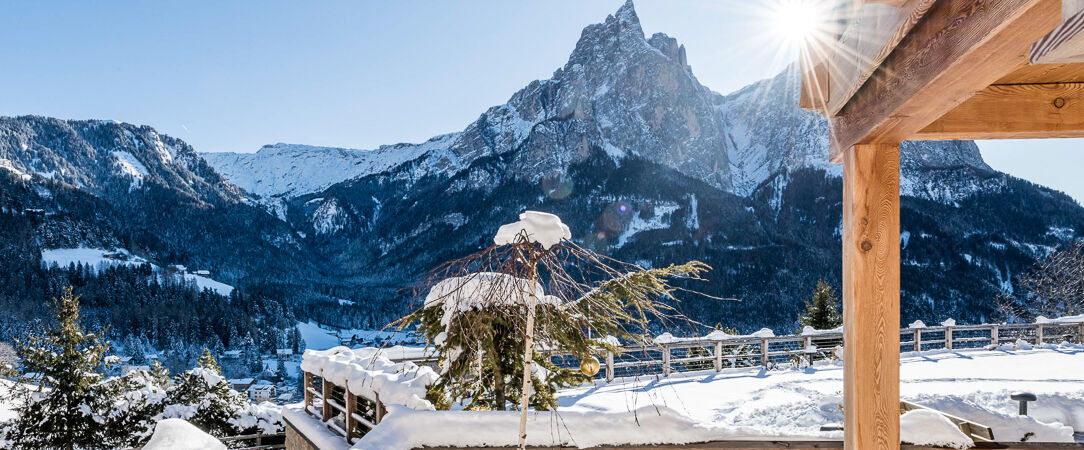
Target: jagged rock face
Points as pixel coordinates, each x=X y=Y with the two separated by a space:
x=631 y=97
x=619 y=92
x=103 y=157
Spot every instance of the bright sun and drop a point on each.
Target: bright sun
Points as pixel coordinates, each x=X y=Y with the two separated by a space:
x=797 y=21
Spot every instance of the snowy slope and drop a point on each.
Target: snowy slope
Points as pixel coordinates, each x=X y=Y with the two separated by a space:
x=99 y=259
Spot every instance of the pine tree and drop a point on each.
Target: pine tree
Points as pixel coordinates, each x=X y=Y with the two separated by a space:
x=65 y=409
x=483 y=346
x=822 y=310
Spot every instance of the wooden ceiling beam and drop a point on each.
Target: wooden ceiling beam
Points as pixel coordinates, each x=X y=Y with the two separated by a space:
x=956 y=50
x=870 y=34
x=1016 y=111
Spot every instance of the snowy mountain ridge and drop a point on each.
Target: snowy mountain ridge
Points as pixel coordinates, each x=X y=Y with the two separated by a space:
x=631 y=96
x=289 y=170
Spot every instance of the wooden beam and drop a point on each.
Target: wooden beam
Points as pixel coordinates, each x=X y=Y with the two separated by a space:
x=958 y=49
x=871 y=296
x=1016 y=111
x=870 y=34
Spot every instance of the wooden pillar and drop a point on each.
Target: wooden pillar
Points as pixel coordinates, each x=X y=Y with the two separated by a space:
x=871 y=296
x=1038 y=335
x=948 y=338
x=994 y=335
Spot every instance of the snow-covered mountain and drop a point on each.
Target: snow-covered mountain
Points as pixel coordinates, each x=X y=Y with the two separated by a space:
x=641 y=161
x=633 y=97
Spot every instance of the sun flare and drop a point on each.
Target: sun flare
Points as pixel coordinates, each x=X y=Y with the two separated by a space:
x=798 y=21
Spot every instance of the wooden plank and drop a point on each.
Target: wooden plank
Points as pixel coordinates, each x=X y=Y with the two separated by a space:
x=1045 y=73
x=871 y=32
x=871 y=296
x=325 y=397
x=958 y=49
x=1018 y=111
x=351 y=407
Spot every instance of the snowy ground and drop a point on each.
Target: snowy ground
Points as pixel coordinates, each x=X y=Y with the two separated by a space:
x=319 y=338
x=759 y=404
x=797 y=402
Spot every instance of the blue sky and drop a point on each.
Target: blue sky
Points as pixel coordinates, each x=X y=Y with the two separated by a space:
x=233 y=76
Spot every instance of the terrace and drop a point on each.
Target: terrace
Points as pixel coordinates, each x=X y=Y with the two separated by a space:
x=778 y=391
x=881 y=72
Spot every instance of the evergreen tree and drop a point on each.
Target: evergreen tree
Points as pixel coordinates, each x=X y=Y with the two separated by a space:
x=204 y=398
x=822 y=310
x=64 y=409
x=140 y=402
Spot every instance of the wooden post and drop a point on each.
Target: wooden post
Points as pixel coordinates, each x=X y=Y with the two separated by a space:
x=609 y=366
x=948 y=338
x=808 y=354
x=1080 y=333
x=325 y=397
x=1038 y=335
x=918 y=339
x=665 y=361
x=351 y=407
x=718 y=356
x=308 y=392
x=764 y=353
x=379 y=414
x=871 y=296
x=994 y=335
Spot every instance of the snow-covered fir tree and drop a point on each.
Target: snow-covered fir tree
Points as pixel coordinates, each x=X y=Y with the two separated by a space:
x=60 y=396
x=204 y=398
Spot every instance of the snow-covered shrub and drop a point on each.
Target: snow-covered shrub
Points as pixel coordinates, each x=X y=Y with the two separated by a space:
x=137 y=405
x=204 y=398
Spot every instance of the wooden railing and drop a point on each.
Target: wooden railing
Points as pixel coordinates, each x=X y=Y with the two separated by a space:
x=255 y=441
x=665 y=358
x=344 y=412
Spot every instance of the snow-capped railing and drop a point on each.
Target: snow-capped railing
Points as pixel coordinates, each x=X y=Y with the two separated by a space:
x=718 y=351
x=340 y=409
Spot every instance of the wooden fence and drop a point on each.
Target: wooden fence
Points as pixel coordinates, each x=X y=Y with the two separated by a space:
x=685 y=355
x=255 y=441
x=717 y=354
x=344 y=412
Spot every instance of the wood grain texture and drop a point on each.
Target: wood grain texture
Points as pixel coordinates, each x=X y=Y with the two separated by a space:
x=871 y=33
x=1044 y=73
x=958 y=49
x=1016 y=111
x=871 y=296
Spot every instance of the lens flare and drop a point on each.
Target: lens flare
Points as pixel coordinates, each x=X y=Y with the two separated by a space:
x=798 y=21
